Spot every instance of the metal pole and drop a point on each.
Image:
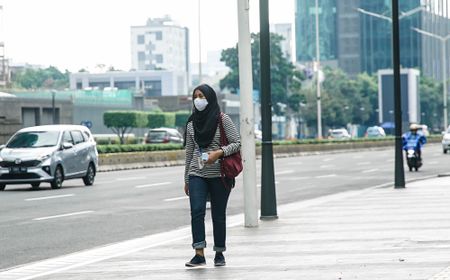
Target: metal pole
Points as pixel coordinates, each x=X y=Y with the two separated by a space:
x=399 y=171
x=246 y=116
x=444 y=81
x=268 y=195
x=319 y=103
x=53 y=107
x=200 y=78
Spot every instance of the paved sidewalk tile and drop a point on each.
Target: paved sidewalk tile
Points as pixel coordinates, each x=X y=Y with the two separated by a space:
x=381 y=233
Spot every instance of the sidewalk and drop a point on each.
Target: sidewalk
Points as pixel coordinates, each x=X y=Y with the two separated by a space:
x=378 y=233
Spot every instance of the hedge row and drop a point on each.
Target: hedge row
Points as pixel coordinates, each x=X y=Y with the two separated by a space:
x=145 y=119
x=108 y=149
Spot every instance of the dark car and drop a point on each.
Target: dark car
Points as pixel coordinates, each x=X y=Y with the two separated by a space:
x=163 y=135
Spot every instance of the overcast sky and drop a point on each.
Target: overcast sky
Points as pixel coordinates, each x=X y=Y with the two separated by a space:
x=75 y=34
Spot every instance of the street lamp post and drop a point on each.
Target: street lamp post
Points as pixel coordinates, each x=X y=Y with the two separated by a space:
x=319 y=103
x=443 y=41
x=53 y=107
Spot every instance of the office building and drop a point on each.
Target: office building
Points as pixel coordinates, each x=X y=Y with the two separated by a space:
x=161 y=44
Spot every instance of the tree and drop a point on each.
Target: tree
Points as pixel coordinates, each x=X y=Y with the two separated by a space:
x=49 y=78
x=431 y=104
x=122 y=122
x=282 y=70
x=160 y=119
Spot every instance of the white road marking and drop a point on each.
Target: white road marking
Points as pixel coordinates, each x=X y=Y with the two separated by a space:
x=284 y=172
x=433 y=162
x=63 y=215
x=370 y=170
x=327 y=159
x=355 y=157
x=295 y=163
x=130 y=178
x=176 y=198
x=153 y=185
x=327 y=166
x=363 y=163
x=48 y=197
x=326 y=176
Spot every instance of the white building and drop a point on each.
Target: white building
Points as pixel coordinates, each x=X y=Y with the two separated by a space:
x=160 y=45
x=285 y=30
x=152 y=83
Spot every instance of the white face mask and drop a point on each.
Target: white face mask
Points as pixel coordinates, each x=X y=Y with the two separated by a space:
x=200 y=103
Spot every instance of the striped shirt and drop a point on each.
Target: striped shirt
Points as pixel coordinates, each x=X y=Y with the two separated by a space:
x=193 y=152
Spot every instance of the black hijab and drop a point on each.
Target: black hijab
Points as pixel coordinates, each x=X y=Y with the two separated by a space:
x=205 y=122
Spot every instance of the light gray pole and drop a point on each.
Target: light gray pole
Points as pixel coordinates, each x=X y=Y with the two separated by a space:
x=319 y=103
x=444 y=81
x=200 y=78
x=247 y=122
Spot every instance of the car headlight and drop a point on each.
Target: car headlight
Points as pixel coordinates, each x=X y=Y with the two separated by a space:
x=44 y=159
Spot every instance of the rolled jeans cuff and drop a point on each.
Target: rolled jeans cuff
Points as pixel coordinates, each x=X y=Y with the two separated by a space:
x=199 y=245
x=219 y=249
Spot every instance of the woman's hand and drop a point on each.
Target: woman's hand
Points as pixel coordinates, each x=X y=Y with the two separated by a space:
x=186 y=189
x=214 y=155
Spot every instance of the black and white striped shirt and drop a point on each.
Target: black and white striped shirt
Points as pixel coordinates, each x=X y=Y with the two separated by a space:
x=193 y=152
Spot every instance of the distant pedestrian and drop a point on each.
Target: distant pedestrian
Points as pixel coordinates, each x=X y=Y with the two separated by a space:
x=202 y=174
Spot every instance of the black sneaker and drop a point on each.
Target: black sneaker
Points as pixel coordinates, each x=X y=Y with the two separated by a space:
x=219 y=259
x=197 y=260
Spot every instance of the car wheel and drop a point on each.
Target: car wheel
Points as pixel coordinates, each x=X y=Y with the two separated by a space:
x=58 y=178
x=35 y=186
x=2 y=187
x=88 y=180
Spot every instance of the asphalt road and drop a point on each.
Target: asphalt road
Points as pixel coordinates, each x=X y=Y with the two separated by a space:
x=36 y=225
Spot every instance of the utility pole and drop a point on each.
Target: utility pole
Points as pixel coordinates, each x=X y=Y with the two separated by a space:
x=319 y=102
x=200 y=78
x=268 y=194
x=399 y=170
x=246 y=115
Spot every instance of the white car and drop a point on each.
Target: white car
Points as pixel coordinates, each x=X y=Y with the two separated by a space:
x=49 y=153
x=446 y=140
x=340 y=134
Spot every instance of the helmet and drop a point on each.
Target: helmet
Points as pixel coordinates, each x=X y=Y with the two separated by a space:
x=413 y=127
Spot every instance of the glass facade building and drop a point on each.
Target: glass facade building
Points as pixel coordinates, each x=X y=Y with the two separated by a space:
x=305 y=23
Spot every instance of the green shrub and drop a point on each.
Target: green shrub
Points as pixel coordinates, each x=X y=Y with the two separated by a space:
x=106 y=149
x=155 y=120
x=181 y=118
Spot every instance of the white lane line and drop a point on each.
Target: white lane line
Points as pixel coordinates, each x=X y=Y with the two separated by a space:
x=153 y=185
x=433 y=162
x=326 y=176
x=284 y=172
x=176 y=198
x=295 y=163
x=370 y=170
x=130 y=178
x=63 y=215
x=327 y=159
x=363 y=163
x=328 y=166
x=48 y=197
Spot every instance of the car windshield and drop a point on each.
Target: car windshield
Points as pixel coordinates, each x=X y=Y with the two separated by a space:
x=34 y=139
x=157 y=135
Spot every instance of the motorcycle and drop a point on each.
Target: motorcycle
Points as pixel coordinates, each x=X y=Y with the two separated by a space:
x=413 y=160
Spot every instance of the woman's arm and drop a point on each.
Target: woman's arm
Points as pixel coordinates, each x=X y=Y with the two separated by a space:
x=189 y=151
x=234 y=141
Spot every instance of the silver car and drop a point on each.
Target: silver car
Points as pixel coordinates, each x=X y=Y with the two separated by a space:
x=49 y=153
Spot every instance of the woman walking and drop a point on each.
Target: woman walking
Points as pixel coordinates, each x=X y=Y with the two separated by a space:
x=202 y=174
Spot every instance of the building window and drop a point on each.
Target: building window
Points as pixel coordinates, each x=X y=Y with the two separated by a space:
x=140 y=39
x=158 y=35
x=141 y=56
x=158 y=58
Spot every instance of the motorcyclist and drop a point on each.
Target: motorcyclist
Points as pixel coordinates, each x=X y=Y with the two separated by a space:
x=414 y=139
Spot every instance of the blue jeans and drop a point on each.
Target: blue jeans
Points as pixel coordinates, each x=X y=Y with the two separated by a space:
x=198 y=191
